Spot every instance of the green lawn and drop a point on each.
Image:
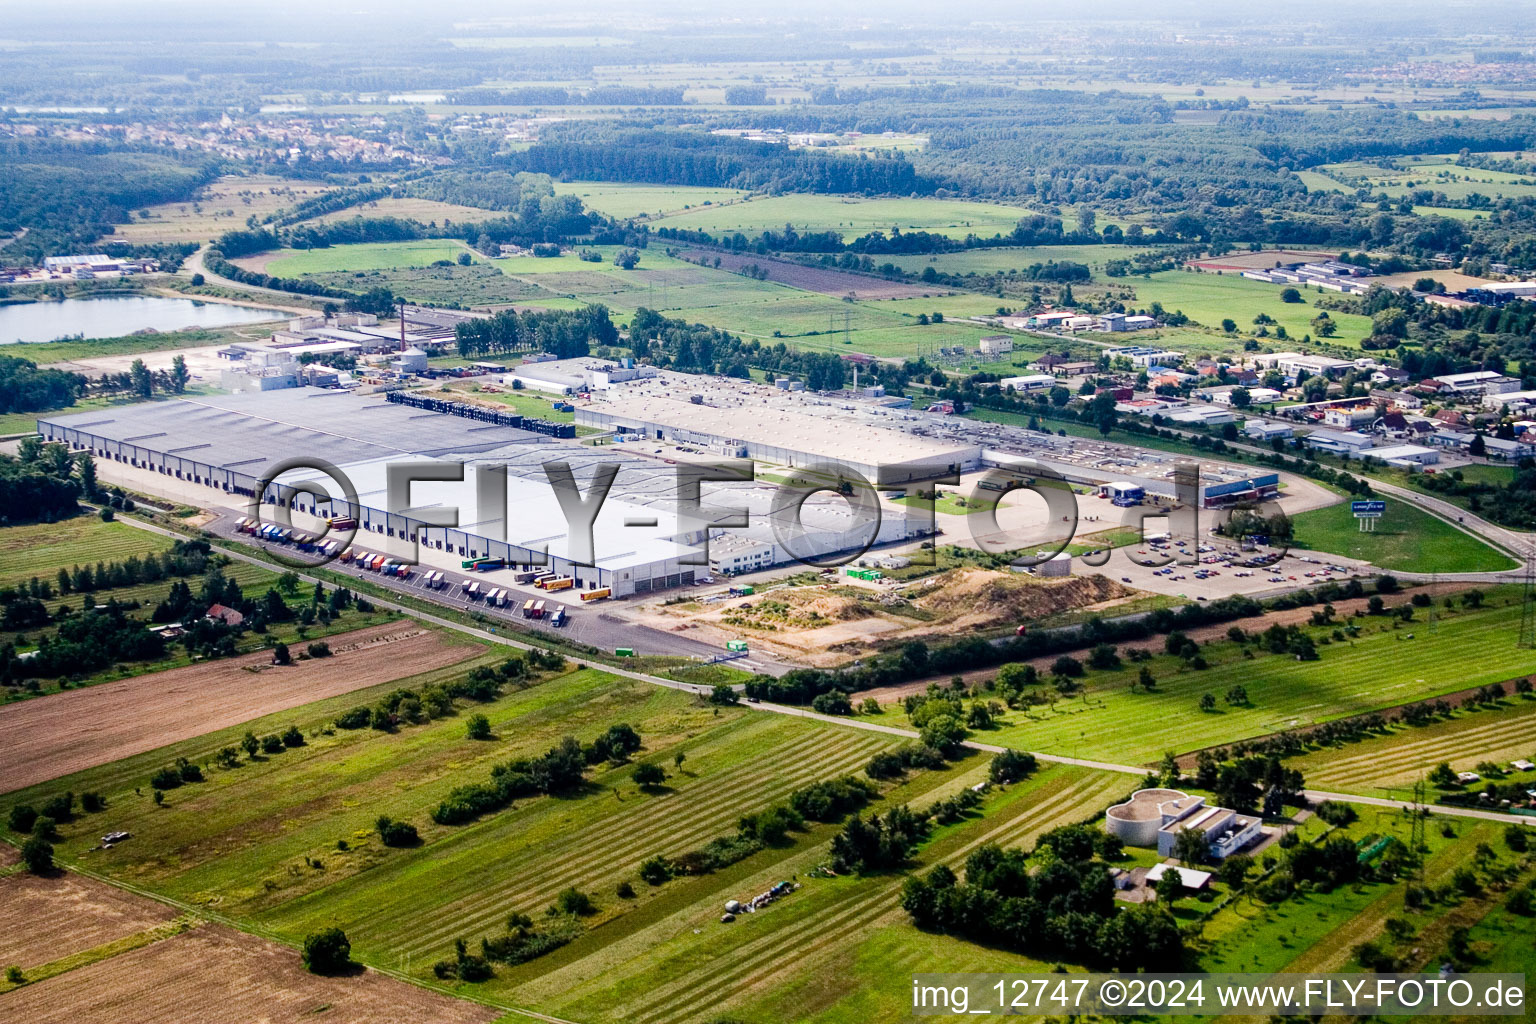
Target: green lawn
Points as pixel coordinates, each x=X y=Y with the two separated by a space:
x=366 y=256
x=1406 y=539
x=1381 y=668
x=1211 y=298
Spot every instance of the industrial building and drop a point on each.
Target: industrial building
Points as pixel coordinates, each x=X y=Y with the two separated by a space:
x=215 y=451
x=785 y=435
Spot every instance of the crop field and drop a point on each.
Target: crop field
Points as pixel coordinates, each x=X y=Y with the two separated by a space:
x=223 y=206
x=42 y=549
x=817 y=279
x=1406 y=539
x=851 y=215
x=362 y=256
x=1380 y=668
x=826 y=953
x=478 y=284
x=993 y=261
x=623 y=200
x=43 y=919
x=146 y=712
x=1401 y=757
x=1211 y=298
x=200 y=974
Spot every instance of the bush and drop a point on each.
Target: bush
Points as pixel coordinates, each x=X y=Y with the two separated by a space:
x=21 y=818
x=833 y=702
x=272 y=744
x=478 y=727
x=165 y=778
x=648 y=774
x=575 y=902
x=656 y=870
x=1335 y=813
x=396 y=833
x=292 y=737
x=357 y=718
x=92 y=802
x=625 y=891
x=327 y=952
x=319 y=649
x=37 y=855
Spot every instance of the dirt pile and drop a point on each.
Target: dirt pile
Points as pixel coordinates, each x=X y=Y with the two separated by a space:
x=981 y=598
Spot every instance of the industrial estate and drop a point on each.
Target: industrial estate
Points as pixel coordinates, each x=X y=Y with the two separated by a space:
x=710 y=517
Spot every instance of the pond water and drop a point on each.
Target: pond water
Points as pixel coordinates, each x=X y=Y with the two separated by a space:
x=115 y=316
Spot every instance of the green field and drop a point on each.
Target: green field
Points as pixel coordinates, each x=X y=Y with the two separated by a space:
x=623 y=200
x=1211 y=298
x=1406 y=539
x=1402 y=756
x=1380 y=668
x=365 y=256
x=852 y=216
x=1438 y=173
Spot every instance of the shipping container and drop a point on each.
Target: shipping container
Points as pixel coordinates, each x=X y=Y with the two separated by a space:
x=736 y=645
x=596 y=595
x=526 y=576
x=559 y=583
x=624 y=652
x=538 y=609
x=528 y=609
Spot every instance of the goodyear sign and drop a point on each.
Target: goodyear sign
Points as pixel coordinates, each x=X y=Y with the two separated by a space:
x=1368 y=509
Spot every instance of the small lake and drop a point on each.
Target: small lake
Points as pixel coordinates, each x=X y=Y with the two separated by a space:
x=115 y=316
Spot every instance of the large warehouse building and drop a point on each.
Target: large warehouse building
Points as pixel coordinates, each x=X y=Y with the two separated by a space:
x=214 y=452
x=787 y=436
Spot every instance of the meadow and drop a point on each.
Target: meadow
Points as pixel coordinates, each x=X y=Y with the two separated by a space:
x=223 y=205
x=1211 y=298
x=1380 y=668
x=623 y=200
x=362 y=256
x=42 y=549
x=1406 y=539
x=851 y=215
x=1437 y=172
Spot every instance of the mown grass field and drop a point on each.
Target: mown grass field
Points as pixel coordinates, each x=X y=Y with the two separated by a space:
x=829 y=952
x=42 y=549
x=427 y=211
x=1381 y=668
x=624 y=200
x=1403 y=756
x=1211 y=298
x=852 y=216
x=365 y=256
x=1406 y=539
x=1436 y=172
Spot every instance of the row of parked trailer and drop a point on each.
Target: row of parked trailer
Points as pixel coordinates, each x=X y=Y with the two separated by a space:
x=276 y=534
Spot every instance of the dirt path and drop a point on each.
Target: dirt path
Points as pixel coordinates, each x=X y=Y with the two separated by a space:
x=1218 y=631
x=67 y=732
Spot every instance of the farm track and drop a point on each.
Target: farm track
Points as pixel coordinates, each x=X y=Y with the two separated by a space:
x=749 y=965
x=672 y=825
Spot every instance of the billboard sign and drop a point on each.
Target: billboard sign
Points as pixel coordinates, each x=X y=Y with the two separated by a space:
x=1368 y=509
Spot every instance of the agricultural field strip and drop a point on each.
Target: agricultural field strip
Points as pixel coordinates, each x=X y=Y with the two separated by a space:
x=618 y=847
x=747 y=966
x=1408 y=751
